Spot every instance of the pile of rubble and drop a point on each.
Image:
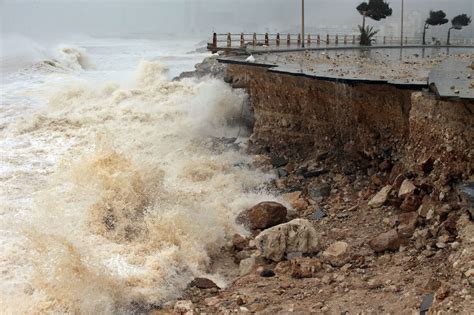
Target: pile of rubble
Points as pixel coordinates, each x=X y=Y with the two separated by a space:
x=377 y=239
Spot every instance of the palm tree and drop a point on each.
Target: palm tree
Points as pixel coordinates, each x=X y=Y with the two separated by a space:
x=435 y=18
x=376 y=10
x=367 y=34
x=458 y=22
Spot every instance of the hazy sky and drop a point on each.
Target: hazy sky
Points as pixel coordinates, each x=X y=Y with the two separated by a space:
x=194 y=18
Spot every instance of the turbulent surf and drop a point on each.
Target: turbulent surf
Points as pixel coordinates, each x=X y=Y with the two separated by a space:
x=115 y=192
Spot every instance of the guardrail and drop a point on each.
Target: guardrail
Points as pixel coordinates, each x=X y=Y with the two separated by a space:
x=244 y=40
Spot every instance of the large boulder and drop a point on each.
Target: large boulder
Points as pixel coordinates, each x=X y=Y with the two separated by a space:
x=263 y=215
x=298 y=235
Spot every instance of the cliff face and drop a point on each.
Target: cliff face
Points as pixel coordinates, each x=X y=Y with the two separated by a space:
x=442 y=131
x=302 y=115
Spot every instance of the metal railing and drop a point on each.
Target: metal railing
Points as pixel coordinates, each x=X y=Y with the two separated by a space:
x=244 y=40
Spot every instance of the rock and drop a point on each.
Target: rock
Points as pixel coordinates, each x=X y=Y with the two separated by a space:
x=316 y=191
x=282 y=173
x=263 y=215
x=239 y=242
x=426 y=303
x=278 y=162
x=244 y=254
x=411 y=203
x=267 y=273
x=467 y=191
x=427 y=165
x=426 y=207
x=283 y=267
x=374 y=284
x=397 y=183
x=291 y=256
x=314 y=172
x=318 y=214
x=298 y=235
x=212 y=301
x=381 y=197
x=337 y=254
x=304 y=267
x=386 y=241
x=407 y=188
x=408 y=223
x=246 y=266
x=208 y=67
x=300 y=267
x=295 y=200
x=184 y=307
x=203 y=283
x=469 y=273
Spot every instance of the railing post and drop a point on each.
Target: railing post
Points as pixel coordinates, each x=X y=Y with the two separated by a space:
x=337 y=39
x=299 y=39
x=345 y=39
x=309 y=39
x=214 y=40
x=327 y=39
x=229 y=40
x=353 y=39
x=384 y=40
x=266 y=40
x=242 y=40
x=406 y=40
x=278 y=39
x=318 y=39
x=288 y=39
x=254 y=39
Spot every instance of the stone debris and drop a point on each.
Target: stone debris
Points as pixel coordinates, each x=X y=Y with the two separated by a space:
x=426 y=303
x=319 y=214
x=295 y=200
x=337 y=254
x=239 y=242
x=407 y=188
x=247 y=265
x=381 y=197
x=386 y=241
x=317 y=191
x=184 y=307
x=203 y=283
x=298 y=235
x=263 y=215
x=400 y=202
x=408 y=223
x=278 y=161
x=267 y=273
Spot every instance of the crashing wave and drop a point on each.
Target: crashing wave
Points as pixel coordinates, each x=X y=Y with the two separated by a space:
x=140 y=202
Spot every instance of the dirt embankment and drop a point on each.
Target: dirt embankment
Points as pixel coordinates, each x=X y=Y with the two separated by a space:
x=378 y=175
x=298 y=116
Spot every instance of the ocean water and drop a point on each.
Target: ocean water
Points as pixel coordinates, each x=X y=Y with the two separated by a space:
x=113 y=193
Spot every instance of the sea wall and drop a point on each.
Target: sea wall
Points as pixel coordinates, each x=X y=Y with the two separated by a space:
x=301 y=115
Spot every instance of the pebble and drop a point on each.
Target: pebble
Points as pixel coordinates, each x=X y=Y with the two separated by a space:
x=267 y=273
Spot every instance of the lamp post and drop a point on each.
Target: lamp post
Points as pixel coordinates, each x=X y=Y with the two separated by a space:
x=403 y=11
x=302 y=23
